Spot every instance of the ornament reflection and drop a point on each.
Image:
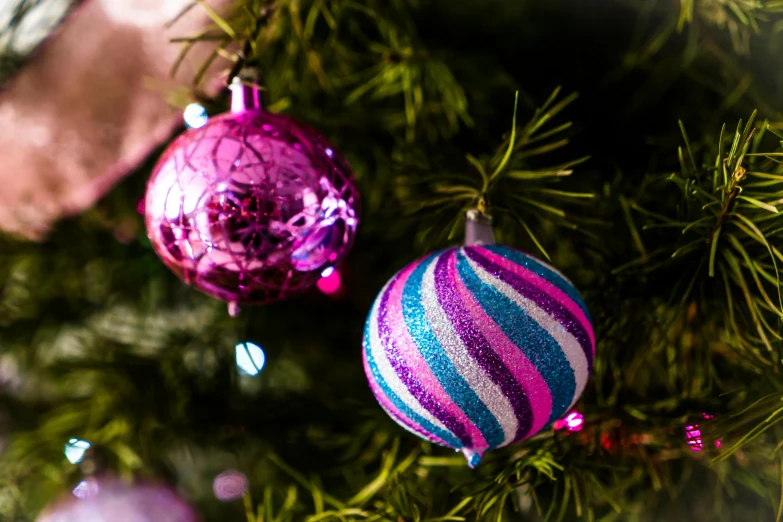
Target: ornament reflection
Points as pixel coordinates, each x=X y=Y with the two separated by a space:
x=86 y=489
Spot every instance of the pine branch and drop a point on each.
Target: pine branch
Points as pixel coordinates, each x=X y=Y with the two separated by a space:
x=727 y=228
x=398 y=75
x=507 y=183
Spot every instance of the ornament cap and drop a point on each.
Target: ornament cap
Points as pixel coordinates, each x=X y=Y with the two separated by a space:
x=478 y=228
x=244 y=96
x=473 y=457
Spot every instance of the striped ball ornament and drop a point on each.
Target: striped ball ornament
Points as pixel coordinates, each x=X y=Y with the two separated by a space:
x=478 y=347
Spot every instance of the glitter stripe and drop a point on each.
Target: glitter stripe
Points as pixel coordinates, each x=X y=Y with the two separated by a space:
x=567 y=314
x=477 y=378
x=528 y=327
x=414 y=303
x=523 y=370
x=392 y=385
x=417 y=377
x=410 y=354
x=576 y=308
x=391 y=410
x=569 y=345
x=479 y=348
x=395 y=391
x=540 y=298
x=543 y=270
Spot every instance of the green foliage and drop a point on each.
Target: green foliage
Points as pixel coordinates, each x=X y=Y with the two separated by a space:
x=676 y=250
x=728 y=221
x=507 y=183
x=741 y=18
x=365 y=51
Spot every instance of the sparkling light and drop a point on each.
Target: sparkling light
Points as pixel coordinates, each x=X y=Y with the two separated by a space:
x=195 y=116
x=75 y=450
x=86 y=488
x=574 y=421
x=331 y=283
x=327 y=271
x=230 y=485
x=250 y=358
x=693 y=437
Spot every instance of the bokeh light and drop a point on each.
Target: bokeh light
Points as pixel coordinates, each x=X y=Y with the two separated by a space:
x=75 y=450
x=330 y=282
x=230 y=485
x=250 y=358
x=195 y=116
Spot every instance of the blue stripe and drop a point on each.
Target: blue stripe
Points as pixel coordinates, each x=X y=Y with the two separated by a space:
x=537 y=344
x=541 y=269
x=438 y=361
x=397 y=401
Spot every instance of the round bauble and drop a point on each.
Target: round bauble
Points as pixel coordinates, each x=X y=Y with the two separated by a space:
x=478 y=347
x=111 y=500
x=251 y=207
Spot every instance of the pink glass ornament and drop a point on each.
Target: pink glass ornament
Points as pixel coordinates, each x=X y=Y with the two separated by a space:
x=111 y=500
x=251 y=207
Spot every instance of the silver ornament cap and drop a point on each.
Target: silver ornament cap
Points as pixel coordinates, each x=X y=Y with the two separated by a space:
x=478 y=228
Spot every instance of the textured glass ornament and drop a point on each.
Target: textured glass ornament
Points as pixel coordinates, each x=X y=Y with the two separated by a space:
x=477 y=347
x=251 y=207
x=111 y=500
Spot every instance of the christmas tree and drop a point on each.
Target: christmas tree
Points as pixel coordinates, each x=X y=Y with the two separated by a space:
x=636 y=146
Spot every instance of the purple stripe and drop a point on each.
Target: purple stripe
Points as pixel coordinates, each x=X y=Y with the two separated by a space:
x=408 y=378
x=394 y=412
x=478 y=347
x=541 y=299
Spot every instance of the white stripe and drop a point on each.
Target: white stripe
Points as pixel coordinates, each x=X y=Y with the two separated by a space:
x=478 y=380
x=534 y=260
x=387 y=371
x=568 y=343
x=400 y=417
x=550 y=267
